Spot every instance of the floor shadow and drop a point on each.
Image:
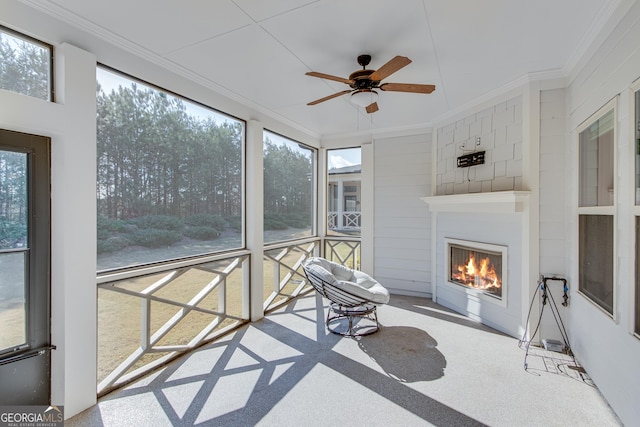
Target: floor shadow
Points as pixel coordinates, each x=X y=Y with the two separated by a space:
x=429 y=308
x=405 y=353
x=237 y=381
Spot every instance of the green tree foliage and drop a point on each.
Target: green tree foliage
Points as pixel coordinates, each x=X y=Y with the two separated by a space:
x=288 y=188
x=13 y=200
x=156 y=159
x=24 y=67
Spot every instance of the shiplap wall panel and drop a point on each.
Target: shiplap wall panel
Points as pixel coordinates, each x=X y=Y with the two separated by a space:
x=553 y=198
x=609 y=71
x=402 y=225
x=606 y=75
x=553 y=203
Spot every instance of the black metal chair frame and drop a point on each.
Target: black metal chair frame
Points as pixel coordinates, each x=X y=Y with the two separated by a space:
x=345 y=305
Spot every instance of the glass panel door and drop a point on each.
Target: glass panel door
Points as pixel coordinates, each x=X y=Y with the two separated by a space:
x=13 y=237
x=25 y=338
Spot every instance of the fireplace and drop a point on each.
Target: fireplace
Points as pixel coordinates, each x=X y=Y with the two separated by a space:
x=499 y=219
x=477 y=268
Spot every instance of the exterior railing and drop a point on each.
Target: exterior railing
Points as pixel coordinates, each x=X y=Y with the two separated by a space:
x=150 y=316
x=345 y=251
x=344 y=220
x=332 y=220
x=284 y=278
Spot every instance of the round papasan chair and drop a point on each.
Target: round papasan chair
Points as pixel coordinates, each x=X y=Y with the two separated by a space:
x=353 y=295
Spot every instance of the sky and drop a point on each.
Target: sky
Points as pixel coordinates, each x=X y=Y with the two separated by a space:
x=340 y=158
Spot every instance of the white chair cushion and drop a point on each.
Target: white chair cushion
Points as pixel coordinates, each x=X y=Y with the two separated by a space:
x=353 y=281
x=322 y=273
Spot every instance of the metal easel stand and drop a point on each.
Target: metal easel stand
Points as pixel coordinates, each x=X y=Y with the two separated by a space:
x=548 y=300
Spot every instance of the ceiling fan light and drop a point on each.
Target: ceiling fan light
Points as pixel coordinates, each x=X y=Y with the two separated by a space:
x=364 y=97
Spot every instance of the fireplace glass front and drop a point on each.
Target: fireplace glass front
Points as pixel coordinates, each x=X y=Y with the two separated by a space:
x=479 y=269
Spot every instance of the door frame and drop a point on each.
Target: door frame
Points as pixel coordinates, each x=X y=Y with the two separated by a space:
x=25 y=372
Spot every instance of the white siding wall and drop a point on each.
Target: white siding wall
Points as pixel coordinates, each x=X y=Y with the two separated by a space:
x=605 y=345
x=402 y=247
x=553 y=203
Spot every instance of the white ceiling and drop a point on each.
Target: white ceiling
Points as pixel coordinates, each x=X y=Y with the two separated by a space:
x=257 y=52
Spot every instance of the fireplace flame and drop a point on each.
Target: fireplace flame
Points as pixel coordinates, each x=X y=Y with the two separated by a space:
x=478 y=276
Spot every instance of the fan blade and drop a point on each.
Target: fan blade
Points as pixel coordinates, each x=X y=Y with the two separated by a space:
x=326 y=98
x=407 y=87
x=390 y=67
x=329 y=77
x=372 y=108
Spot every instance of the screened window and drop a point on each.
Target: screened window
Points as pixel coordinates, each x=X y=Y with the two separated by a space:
x=596 y=259
x=25 y=65
x=595 y=208
x=344 y=170
x=289 y=188
x=169 y=181
x=596 y=162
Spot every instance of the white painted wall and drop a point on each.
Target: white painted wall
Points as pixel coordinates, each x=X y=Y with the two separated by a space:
x=605 y=345
x=71 y=125
x=402 y=248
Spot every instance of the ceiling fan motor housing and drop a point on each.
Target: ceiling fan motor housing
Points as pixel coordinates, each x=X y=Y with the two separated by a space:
x=360 y=78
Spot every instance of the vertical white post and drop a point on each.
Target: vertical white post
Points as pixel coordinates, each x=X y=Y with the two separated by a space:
x=433 y=233
x=322 y=196
x=367 y=209
x=340 y=207
x=254 y=209
x=531 y=212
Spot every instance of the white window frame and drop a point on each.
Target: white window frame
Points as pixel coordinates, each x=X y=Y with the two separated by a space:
x=44 y=45
x=598 y=210
x=635 y=209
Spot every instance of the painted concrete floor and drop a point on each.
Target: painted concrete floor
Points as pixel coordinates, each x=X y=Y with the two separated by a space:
x=426 y=366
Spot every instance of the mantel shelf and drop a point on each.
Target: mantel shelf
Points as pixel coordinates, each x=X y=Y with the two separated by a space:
x=495 y=202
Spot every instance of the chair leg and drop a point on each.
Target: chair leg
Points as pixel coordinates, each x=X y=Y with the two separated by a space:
x=350 y=330
x=337 y=312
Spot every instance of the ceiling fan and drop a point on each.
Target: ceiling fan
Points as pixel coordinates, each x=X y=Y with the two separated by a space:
x=364 y=83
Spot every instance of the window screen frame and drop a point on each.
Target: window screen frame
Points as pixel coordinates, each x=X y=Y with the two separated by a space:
x=37 y=42
x=603 y=210
x=243 y=186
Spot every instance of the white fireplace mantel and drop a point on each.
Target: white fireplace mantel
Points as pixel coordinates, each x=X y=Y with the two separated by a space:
x=494 y=202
